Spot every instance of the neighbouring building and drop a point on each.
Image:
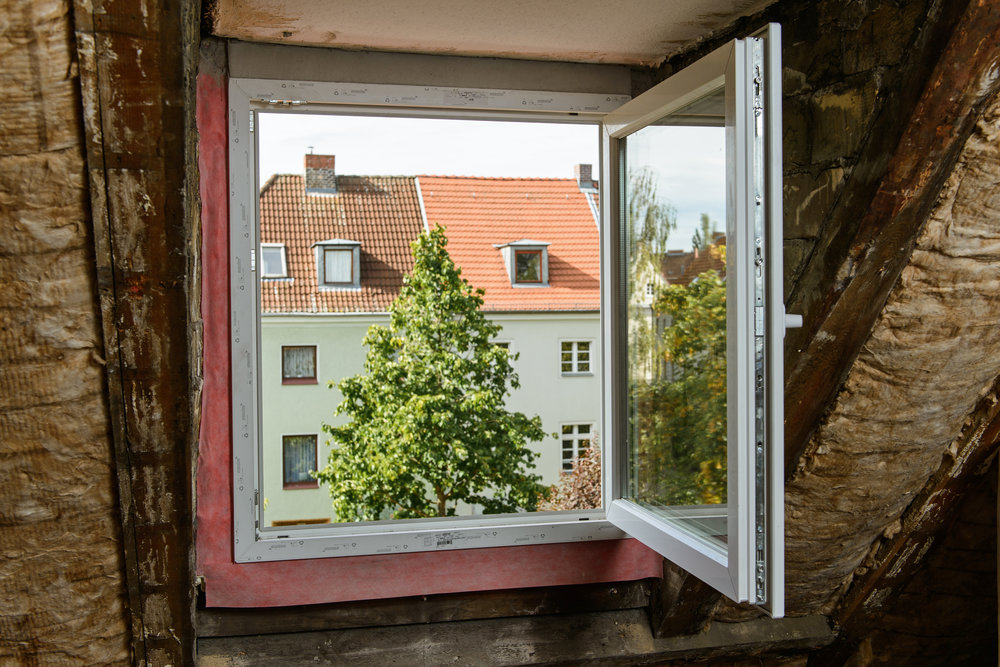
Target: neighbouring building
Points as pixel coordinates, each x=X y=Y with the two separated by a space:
x=334 y=252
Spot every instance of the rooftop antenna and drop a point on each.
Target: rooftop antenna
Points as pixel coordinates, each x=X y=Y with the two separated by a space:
x=310 y=150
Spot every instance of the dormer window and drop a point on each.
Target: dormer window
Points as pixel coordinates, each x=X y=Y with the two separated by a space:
x=338 y=264
x=527 y=262
x=273 y=260
x=528 y=266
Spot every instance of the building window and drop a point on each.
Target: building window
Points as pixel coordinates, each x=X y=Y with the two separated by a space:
x=298 y=364
x=273 y=260
x=338 y=264
x=526 y=262
x=574 y=357
x=575 y=438
x=298 y=455
x=528 y=266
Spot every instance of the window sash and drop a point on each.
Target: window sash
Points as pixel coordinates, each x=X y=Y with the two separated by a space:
x=528 y=266
x=747 y=568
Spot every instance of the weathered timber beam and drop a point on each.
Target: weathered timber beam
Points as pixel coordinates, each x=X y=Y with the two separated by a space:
x=220 y=622
x=856 y=269
x=680 y=603
x=894 y=560
x=602 y=638
x=137 y=73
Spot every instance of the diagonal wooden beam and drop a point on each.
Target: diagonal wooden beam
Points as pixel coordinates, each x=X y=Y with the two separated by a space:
x=852 y=272
x=926 y=521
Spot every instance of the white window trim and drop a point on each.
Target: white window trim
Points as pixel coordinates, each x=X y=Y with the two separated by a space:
x=284 y=261
x=510 y=250
x=320 y=248
x=576 y=437
x=592 y=349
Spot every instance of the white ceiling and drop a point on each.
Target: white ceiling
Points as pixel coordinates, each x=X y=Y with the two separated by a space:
x=633 y=32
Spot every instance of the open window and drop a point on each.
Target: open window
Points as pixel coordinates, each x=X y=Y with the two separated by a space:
x=697 y=440
x=732 y=539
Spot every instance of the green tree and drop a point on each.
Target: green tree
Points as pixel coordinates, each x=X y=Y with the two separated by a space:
x=702 y=238
x=681 y=425
x=428 y=423
x=650 y=221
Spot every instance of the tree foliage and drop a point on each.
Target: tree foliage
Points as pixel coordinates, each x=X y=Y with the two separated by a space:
x=703 y=236
x=428 y=426
x=681 y=421
x=580 y=488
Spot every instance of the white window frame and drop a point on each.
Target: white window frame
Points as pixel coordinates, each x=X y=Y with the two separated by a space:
x=575 y=358
x=575 y=436
x=253 y=543
x=284 y=260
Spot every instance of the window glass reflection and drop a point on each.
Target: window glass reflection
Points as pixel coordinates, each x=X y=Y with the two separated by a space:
x=675 y=201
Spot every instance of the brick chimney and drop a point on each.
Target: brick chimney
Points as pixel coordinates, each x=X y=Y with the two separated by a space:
x=321 y=177
x=583 y=176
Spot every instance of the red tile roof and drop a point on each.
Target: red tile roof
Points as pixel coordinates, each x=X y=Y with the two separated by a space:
x=680 y=268
x=381 y=212
x=480 y=213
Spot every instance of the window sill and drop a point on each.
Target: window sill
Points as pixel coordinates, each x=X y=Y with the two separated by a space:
x=299 y=381
x=300 y=485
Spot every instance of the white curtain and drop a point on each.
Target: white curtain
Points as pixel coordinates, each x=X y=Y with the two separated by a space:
x=337 y=267
x=300 y=457
x=299 y=362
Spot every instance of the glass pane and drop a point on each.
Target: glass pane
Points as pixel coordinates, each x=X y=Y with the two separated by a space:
x=299 y=458
x=675 y=204
x=337 y=266
x=432 y=421
x=528 y=266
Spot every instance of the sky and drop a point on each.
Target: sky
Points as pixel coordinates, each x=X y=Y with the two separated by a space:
x=689 y=162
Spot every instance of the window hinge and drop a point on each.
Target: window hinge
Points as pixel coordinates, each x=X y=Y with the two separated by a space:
x=251 y=121
x=253 y=260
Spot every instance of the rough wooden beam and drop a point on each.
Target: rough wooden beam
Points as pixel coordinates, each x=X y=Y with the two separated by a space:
x=896 y=557
x=681 y=604
x=918 y=382
x=601 y=638
x=219 y=622
x=137 y=66
x=854 y=270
